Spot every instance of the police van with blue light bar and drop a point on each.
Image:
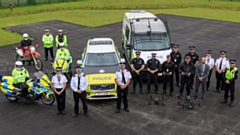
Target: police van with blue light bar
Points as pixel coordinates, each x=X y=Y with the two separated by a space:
x=142 y=31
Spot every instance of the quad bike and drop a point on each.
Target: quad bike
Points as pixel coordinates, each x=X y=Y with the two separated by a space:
x=38 y=88
x=29 y=53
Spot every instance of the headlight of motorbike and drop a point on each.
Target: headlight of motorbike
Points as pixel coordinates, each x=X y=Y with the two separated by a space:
x=32 y=48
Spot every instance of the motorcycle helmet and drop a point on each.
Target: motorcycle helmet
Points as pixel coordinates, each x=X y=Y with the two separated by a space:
x=25 y=36
x=18 y=65
x=61 y=46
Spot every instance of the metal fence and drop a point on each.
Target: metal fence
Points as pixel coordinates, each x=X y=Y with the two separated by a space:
x=6 y=3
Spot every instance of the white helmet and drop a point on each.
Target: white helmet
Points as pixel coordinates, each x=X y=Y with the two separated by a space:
x=25 y=36
x=61 y=46
x=18 y=65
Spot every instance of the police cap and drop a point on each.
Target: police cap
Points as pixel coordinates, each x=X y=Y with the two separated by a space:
x=192 y=47
x=78 y=68
x=176 y=46
x=122 y=64
x=209 y=51
x=137 y=53
x=168 y=56
x=232 y=61
x=223 y=52
x=187 y=57
x=154 y=54
x=58 y=69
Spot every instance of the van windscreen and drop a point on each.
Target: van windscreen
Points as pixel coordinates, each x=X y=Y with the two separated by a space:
x=151 y=42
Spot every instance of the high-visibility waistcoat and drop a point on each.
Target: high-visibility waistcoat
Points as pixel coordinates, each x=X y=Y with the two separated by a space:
x=230 y=74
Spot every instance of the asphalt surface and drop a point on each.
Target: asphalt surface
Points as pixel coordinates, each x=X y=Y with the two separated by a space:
x=27 y=118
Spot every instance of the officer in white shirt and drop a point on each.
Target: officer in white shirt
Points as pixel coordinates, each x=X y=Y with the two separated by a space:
x=79 y=85
x=122 y=79
x=221 y=64
x=59 y=83
x=210 y=62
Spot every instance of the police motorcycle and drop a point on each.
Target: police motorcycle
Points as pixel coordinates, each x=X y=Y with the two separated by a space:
x=38 y=88
x=61 y=62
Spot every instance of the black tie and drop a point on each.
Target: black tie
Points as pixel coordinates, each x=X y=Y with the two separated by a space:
x=79 y=83
x=208 y=59
x=123 y=78
x=220 y=67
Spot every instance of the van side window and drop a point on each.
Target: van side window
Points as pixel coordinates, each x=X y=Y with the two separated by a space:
x=127 y=32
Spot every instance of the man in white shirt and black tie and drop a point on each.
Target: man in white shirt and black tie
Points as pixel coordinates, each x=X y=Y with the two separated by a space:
x=79 y=85
x=202 y=71
x=210 y=62
x=221 y=64
x=122 y=79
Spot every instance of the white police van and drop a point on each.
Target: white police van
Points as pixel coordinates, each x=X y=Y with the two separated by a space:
x=144 y=32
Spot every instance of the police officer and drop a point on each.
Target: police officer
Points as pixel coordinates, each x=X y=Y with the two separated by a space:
x=168 y=71
x=61 y=38
x=210 y=62
x=152 y=66
x=59 y=83
x=137 y=65
x=186 y=69
x=79 y=85
x=47 y=40
x=230 y=76
x=122 y=79
x=176 y=57
x=194 y=60
x=20 y=75
x=26 y=42
x=221 y=64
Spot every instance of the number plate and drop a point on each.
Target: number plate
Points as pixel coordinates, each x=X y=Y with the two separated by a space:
x=102 y=93
x=159 y=74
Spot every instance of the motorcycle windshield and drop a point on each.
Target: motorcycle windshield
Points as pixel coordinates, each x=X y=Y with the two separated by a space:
x=44 y=80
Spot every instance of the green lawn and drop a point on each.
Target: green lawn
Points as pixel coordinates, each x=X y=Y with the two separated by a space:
x=93 y=13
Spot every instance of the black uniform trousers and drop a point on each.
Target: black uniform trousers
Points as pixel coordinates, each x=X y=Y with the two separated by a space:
x=177 y=74
x=60 y=99
x=167 y=79
x=51 y=52
x=153 y=77
x=137 y=79
x=122 y=94
x=209 y=77
x=230 y=87
x=192 y=77
x=185 y=80
x=76 y=97
x=23 y=87
x=220 y=83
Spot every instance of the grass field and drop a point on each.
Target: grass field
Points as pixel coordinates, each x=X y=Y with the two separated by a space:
x=95 y=13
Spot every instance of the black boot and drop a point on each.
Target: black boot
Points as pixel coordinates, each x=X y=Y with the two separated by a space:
x=224 y=101
x=156 y=92
x=231 y=104
x=148 y=91
x=133 y=92
x=164 y=92
x=141 y=92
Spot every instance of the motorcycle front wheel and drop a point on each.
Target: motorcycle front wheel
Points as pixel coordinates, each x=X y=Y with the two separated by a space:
x=12 y=99
x=48 y=101
x=38 y=64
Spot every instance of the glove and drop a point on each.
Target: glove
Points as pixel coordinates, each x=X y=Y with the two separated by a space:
x=26 y=79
